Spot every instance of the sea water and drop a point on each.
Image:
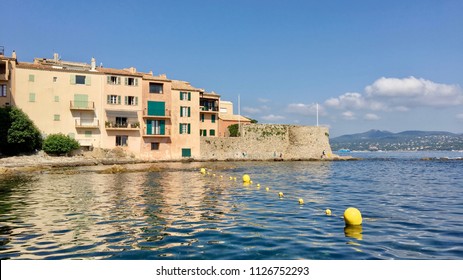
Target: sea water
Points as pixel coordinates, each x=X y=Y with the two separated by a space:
x=412 y=207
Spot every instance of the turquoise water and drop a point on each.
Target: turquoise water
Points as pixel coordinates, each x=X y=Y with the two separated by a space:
x=412 y=209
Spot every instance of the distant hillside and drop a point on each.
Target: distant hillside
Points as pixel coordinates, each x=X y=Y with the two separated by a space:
x=411 y=140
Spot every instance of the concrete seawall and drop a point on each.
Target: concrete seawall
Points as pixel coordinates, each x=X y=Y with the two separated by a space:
x=268 y=142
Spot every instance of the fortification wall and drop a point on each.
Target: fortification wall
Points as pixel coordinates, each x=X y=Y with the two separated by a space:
x=267 y=142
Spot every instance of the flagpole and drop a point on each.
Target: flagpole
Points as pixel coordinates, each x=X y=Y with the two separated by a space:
x=317 y=114
x=239 y=116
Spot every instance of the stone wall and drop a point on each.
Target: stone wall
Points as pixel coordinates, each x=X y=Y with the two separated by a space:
x=267 y=142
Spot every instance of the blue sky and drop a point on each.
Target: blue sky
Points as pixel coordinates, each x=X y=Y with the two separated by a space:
x=390 y=65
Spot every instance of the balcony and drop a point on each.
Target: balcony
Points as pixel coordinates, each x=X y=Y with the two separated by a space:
x=207 y=109
x=157 y=135
x=166 y=115
x=82 y=105
x=134 y=126
x=87 y=124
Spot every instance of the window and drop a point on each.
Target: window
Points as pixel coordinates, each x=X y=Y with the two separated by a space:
x=80 y=80
x=212 y=132
x=114 y=99
x=156 y=88
x=88 y=133
x=203 y=132
x=113 y=80
x=185 y=111
x=3 y=90
x=31 y=78
x=185 y=128
x=122 y=140
x=186 y=152
x=31 y=97
x=213 y=118
x=55 y=79
x=121 y=122
x=202 y=117
x=154 y=146
x=131 y=82
x=131 y=100
x=155 y=127
x=56 y=98
x=185 y=95
x=56 y=117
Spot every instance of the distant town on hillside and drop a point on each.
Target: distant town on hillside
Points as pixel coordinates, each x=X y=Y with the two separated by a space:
x=374 y=140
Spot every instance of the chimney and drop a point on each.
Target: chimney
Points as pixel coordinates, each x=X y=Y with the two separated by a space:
x=55 y=57
x=13 y=54
x=151 y=73
x=133 y=70
x=93 y=64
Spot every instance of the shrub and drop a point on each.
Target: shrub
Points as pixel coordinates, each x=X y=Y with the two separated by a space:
x=58 y=144
x=233 y=130
x=18 y=132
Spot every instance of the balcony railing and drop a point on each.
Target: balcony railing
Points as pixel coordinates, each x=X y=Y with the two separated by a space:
x=166 y=133
x=122 y=125
x=166 y=115
x=82 y=105
x=87 y=124
x=208 y=109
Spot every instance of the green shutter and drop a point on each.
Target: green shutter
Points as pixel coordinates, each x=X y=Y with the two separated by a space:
x=181 y=111
x=73 y=79
x=31 y=78
x=136 y=100
x=202 y=117
x=189 y=128
x=213 y=118
x=149 y=126
x=180 y=128
x=31 y=97
x=108 y=100
x=118 y=80
x=88 y=80
x=156 y=108
x=162 y=123
x=189 y=96
x=118 y=99
x=186 y=152
x=189 y=111
x=126 y=100
x=212 y=132
x=126 y=81
x=81 y=100
x=108 y=79
x=181 y=95
x=135 y=82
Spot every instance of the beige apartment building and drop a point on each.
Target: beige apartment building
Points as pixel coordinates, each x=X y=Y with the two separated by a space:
x=151 y=117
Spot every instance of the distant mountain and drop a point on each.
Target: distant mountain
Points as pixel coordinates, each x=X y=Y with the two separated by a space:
x=406 y=140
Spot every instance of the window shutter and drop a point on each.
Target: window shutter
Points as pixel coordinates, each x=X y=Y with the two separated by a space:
x=213 y=118
x=126 y=100
x=189 y=96
x=126 y=81
x=73 y=79
x=88 y=80
x=118 y=80
x=162 y=124
x=180 y=128
x=149 y=126
x=108 y=99
x=108 y=79
x=118 y=99
x=189 y=128
x=181 y=111
x=189 y=111
x=136 y=100
x=136 y=82
x=181 y=95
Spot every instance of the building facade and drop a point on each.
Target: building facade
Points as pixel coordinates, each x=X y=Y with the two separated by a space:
x=151 y=117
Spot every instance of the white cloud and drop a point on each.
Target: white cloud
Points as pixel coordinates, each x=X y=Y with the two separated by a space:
x=349 y=115
x=414 y=92
x=305 y=109
x=263 y=100
x=250 y=110
x=460 y=116
x=349 y=100
x=371 y=117
x=273 y=117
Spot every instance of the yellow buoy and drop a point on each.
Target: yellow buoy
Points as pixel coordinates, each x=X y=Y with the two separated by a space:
x=352 y=216
x=267 y=188
x=301 y=201
x=203 y=171
x=280 y=194
x=234 y=178
x=258 y=185
x=246 y=178
x=328 y=212
x=231 y=178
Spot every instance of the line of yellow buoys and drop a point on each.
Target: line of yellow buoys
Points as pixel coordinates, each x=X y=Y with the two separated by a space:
x=352 y=216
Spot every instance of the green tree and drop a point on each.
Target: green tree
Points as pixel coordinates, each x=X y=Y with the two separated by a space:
x=233 y=130
x=22 y=136
x=58 y=144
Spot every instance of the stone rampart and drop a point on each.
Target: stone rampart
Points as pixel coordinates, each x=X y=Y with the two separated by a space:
x=267 y=142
